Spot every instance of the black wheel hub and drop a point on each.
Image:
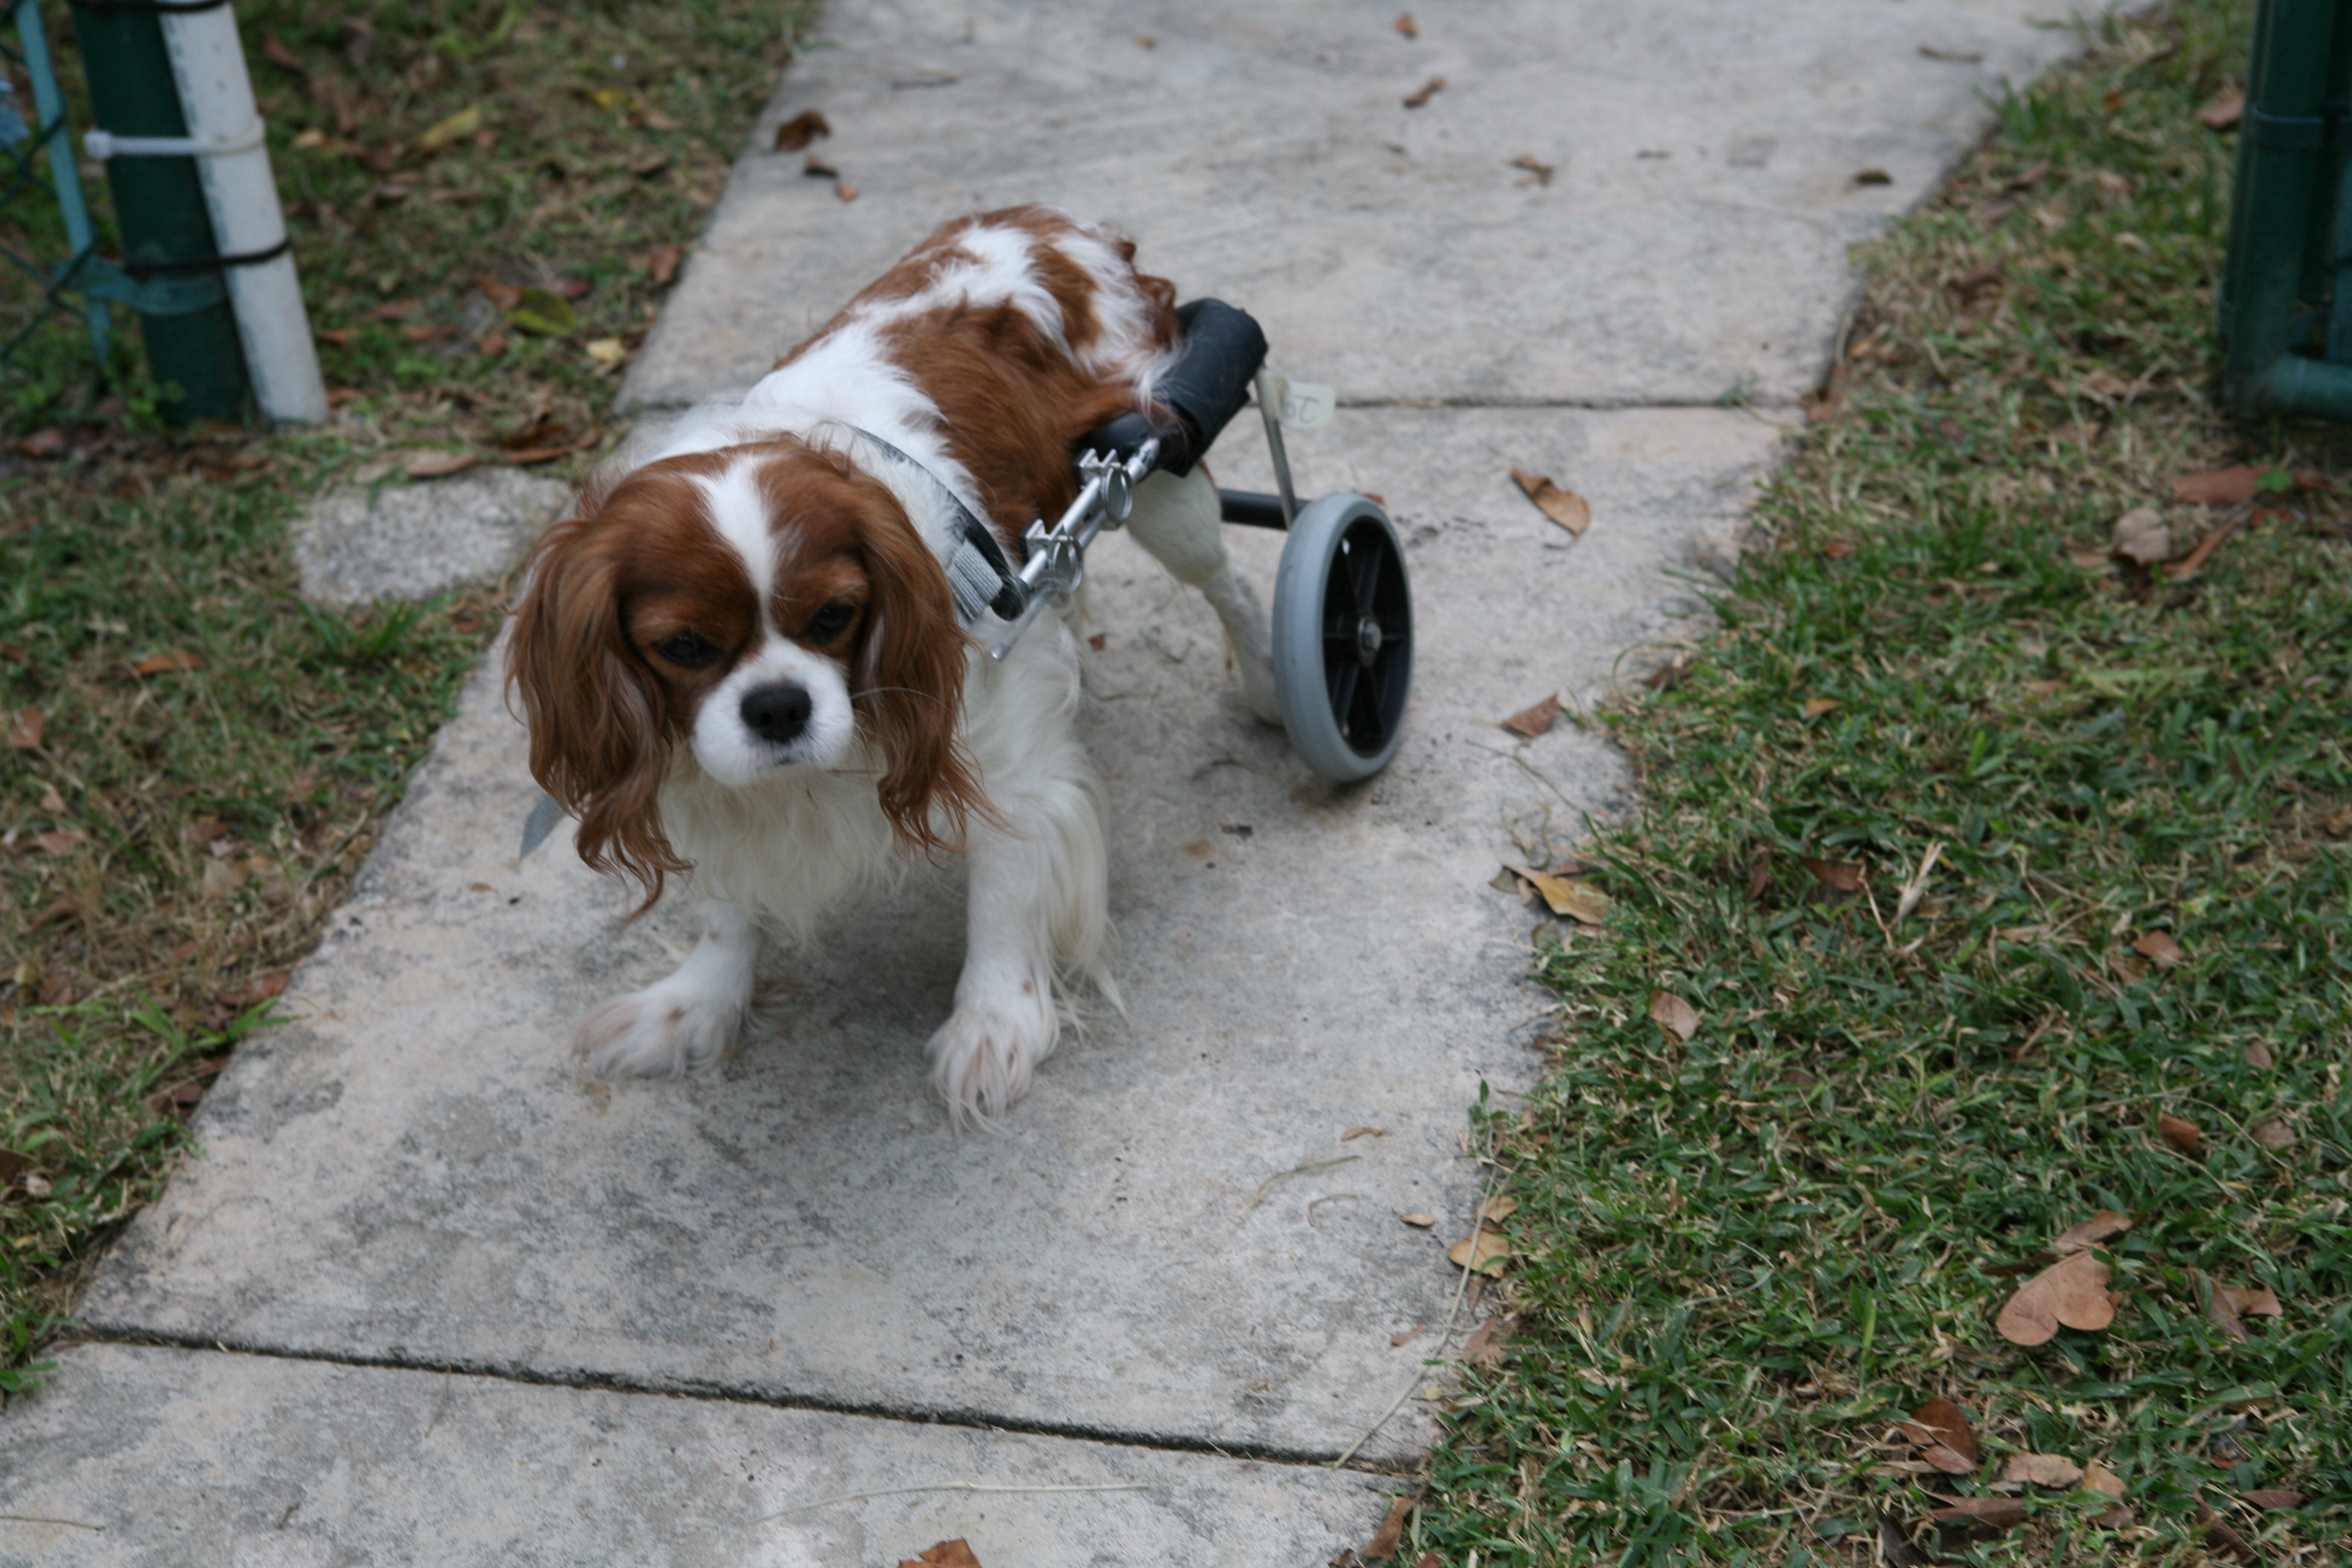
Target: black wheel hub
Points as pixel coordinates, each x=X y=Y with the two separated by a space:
x=1367 y=637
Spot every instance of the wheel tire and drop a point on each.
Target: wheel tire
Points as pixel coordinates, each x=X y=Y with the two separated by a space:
x=1343 y=637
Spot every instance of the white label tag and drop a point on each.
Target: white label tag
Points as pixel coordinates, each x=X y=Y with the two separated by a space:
x=1302 y=405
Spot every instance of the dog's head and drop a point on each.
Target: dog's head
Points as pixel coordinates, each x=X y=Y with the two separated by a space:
x=766 y=608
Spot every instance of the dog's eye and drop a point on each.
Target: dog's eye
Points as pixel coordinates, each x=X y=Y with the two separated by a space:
x=830 y=622
x=691 y=650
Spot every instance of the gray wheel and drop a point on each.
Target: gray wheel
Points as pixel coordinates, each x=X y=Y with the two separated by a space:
x=1342 y=638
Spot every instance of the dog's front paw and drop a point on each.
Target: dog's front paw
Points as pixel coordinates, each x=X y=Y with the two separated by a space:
x=984 y=1055
x=659 y=1032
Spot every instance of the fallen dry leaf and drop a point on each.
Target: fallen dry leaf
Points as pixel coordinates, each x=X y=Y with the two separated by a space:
x=1494 y=1211
x=1674 y=1014
x=2098 y=1477
x=1533 y=722
x=2141 y=535
x=2072 y=1292
x=2216 y=487
x=1577 y=900
x=1484 y=1345
x=1940 y=1430
x=1407 y=1337
x=1564 y=507
x=1355 y=1132
x=662 y=264
x=2267 y=1497
x=2182 y=1134
x=46 y=442
x=26 y=728
x=169 y=659
x=1817 y=705
x=2258 y=1055
x=2159 y=949
x=2221 y=1534
x=1538 y=171
x=1894 y=1551
x=1485 y=1253
x=2272 y=1134
x=2223 y=112
x=2041 y=1469
x=846 y=192
x=438 y=465
x=1386 y=1538
x=1405 y=25
x=1426 y=91
x=1999 y=1512
x=801 y=129
x=13 y=1165
x=51 y=801
x=58 y=840
x=2100 y=1226
x=1845 y=876
x=1423 y=1220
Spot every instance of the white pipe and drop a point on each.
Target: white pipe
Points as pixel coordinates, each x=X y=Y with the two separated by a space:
x=216 y=96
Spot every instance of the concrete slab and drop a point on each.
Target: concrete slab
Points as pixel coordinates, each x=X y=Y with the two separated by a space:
x=197 y=1460
x=414 y=1173
x=1691 y=240
x=412 y=541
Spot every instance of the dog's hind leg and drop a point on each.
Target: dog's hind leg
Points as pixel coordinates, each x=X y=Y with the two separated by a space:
x=1178 y=522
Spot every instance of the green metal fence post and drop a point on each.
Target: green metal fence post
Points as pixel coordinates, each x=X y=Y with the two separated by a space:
x=64 y=177
x=159 y=205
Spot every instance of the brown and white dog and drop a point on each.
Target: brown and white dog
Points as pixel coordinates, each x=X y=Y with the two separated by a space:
x=742 y=663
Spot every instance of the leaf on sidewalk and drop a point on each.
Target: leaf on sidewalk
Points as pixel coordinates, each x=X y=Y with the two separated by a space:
x=1426 y=91
x=801 y=129
x=1579 y=901
x=1405 y=26
x=1391 y=1534
x=2072 y=1292
x=1535 y=720
x=1564 y=507
x=956 y=1553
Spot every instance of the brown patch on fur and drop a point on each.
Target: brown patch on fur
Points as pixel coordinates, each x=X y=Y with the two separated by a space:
x=842 y=538
x=635 y=558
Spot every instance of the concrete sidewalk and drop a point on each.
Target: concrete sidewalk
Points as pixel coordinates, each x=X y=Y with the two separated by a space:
x=429 y=1295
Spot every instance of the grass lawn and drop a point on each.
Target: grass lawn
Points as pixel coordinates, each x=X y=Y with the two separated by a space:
x=195 y=762
x=2120 y=799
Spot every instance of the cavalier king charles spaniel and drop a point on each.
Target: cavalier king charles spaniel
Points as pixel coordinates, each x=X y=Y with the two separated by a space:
x=742 y=666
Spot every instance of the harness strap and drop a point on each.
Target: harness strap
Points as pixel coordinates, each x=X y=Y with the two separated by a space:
x=978 y=574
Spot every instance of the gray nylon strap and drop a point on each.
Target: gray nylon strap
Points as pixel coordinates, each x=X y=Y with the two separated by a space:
x=979 y=576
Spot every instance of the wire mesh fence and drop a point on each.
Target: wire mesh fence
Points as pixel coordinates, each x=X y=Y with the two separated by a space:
x=48 y=247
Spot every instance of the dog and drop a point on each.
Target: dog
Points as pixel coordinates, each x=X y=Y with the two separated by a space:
x=742 y=663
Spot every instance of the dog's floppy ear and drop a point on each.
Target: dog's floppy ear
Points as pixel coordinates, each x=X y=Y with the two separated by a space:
x=599 y=732
x=910 y=686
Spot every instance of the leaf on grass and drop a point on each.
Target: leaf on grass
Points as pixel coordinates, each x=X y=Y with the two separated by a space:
x=2072 y=1292
x=2098 y=1477
x=543 y=312
x=438 y=465
x=607 y=352
x=662 y=264
x=2258 y=1055
x=1817 y=705
x=1940 y=1430
x=2252 y=1300
x=1894 y=1551
x=171 y=659
x=2267 y=1497
x=1484 y=1345
x=463 y=123
x=801 y=129
x=1577 y=900
x=2100 y=1226
x=1426 y=91
x=13 y=1165
x=1391 y=1534
x=2181 y=1133
x=956 y=1553
x=2141 y=535
x=2274 y=1135
x=1999 y=1512
x=1494 y=1211
x=1674 y=1014
x=1564 y=507
x=2159 y=949
x=2225 y=111
x=1485 y=1252
x=1533 y=722
x=2041 y=1469
x=504 y=296
x=2216 y=487
x=1845 y=876
x=26 y=728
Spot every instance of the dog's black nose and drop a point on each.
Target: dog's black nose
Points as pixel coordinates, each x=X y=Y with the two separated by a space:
x=777 y=713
